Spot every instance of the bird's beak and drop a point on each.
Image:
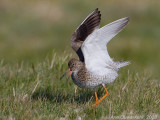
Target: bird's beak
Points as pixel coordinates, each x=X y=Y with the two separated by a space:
x=69 y=74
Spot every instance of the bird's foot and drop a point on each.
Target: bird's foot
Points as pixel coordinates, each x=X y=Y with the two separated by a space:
x=98 y=101
x=96 y=104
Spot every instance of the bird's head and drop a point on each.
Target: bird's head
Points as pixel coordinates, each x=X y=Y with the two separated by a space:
x=74 y=65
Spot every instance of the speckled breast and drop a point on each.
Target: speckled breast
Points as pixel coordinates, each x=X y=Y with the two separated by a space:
x=85 y=83
x=86 y=80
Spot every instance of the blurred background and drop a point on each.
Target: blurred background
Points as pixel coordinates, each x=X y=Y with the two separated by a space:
x=30 y=30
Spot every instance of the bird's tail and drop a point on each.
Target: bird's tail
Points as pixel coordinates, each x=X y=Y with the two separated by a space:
x=122 y=64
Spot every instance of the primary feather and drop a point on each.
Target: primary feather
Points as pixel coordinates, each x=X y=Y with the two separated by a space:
x=91 y=22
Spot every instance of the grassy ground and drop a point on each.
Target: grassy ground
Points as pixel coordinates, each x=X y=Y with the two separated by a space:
x=35 y=49
x=35 y=92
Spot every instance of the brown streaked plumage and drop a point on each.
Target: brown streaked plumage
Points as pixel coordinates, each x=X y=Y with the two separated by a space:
x=95 y=67
x=81 y=76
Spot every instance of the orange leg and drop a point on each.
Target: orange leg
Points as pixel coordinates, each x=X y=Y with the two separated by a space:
x=96 y=96
x=98 y=101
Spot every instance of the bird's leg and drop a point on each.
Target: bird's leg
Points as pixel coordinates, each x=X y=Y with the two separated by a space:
x=97 y=102
x=96 y=96
x=95 y=105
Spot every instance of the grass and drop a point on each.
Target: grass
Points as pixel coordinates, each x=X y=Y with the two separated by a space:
x=35 y=92
x=35 y=49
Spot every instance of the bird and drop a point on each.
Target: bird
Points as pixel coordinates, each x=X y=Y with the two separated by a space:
x=94 y=67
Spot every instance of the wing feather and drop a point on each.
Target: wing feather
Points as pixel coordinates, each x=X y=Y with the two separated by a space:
x=91 y=23
x=107 y=32
x=97 y=59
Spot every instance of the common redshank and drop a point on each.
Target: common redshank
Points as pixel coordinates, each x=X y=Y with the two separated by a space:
x=95 y=67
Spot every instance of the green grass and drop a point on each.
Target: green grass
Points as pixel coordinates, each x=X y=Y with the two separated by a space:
x=35 y=50
x=35 y=91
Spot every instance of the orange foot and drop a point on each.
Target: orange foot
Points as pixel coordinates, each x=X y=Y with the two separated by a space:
x=98 y=101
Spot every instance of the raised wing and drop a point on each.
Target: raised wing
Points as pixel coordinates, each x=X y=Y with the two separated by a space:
x=97 y=59
x=91 y=23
